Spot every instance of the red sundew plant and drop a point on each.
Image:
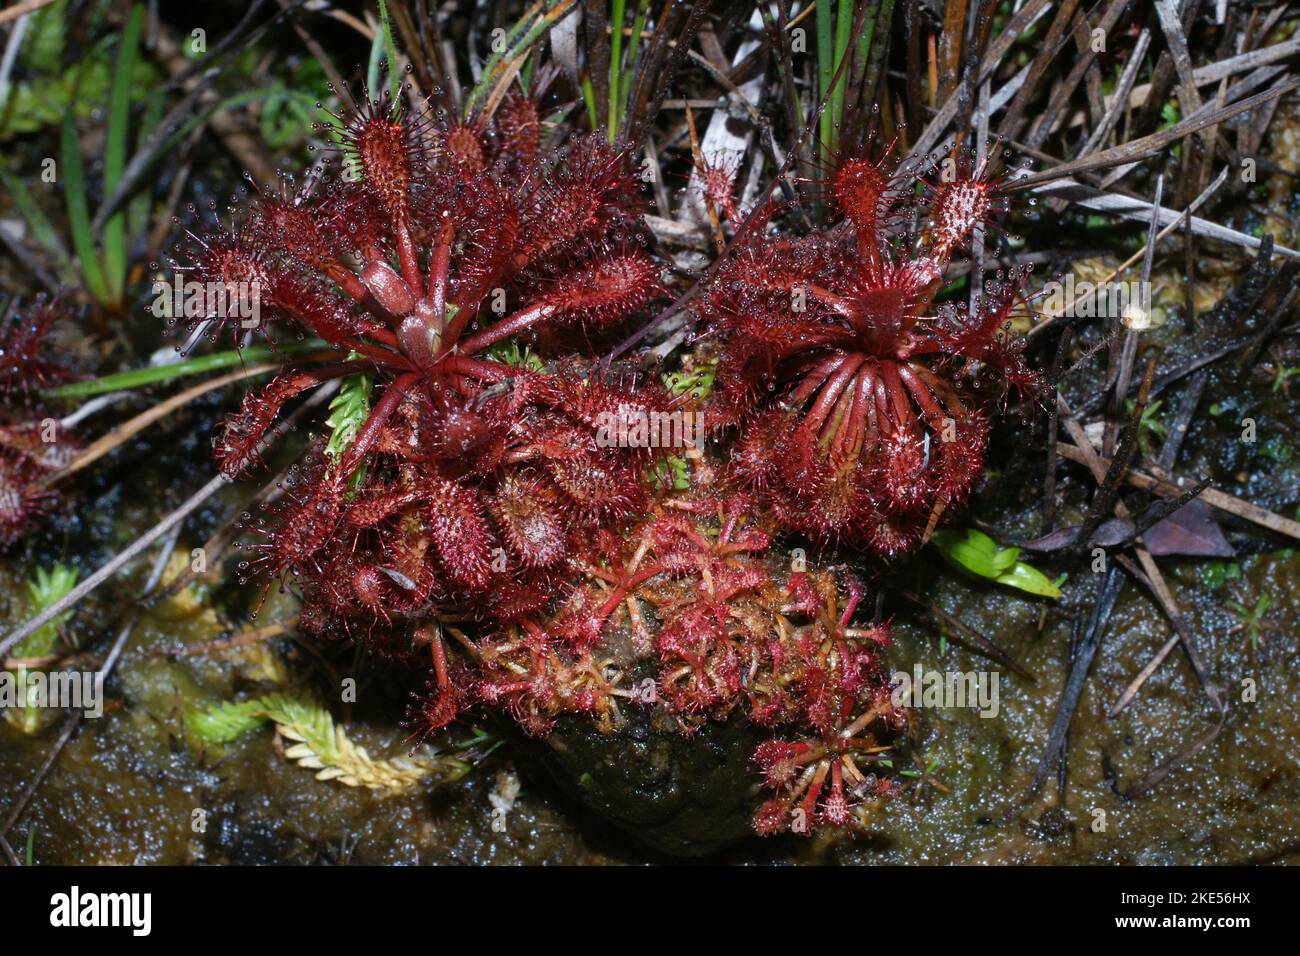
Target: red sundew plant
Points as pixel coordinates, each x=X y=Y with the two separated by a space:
x=861 y=399
x=27 y=364
x=33 y=447
x=696 y=595
x=24 y=498
x=459 y=475
x=464 y=480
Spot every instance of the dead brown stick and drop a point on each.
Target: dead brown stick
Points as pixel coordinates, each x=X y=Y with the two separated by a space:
x=1163 y=482
x=255 y=636
x=21 y=9
x=1159 y=588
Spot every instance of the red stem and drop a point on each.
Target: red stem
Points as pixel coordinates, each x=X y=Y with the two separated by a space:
x=383 y=357
x=439 y=268
x=410 y=262
x=831 y=391
x=537 y=312
x=379 y=416
x=816 y=375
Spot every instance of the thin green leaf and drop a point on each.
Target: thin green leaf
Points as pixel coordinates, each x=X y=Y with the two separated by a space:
x=119 y=115
x=825 y=64
x=390 y=50
x=43 y=230
x=843 y=31
x=139 y=207
x=976 y=553
x=137 y=378
x=74 y=196
x=633 y=55
x=617 y=13
x=1026 y=578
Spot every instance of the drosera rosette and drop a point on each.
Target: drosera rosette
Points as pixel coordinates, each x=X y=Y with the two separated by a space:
x=35 y=444
x=452 y=477
x=694 y=617
x=864 y=405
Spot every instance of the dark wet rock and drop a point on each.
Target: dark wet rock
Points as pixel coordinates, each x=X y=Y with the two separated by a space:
x=683 y=795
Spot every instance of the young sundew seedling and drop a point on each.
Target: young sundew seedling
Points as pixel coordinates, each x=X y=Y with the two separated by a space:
x=863 y=402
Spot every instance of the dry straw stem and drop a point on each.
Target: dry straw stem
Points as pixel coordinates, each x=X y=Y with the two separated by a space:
x=22 y=9
x=1162 y=482
x=128 y=429
x=1100 y=468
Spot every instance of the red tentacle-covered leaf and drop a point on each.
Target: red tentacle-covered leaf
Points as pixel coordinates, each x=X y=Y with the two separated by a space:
x=593 y=190
x=513 y=597
x=234 y=446
x=862 y=191
x=318 y=227
x=485 y=220
x=528 y=513
x=389 y=151
x=47 y=442
x=27 y=362
x=294 y=541
x=455 y=523
x=606 y=291
x=23 y=496
x=599 y=485
x=464 y=148
x=518 y=137
x=863 y=411
x=317 y=307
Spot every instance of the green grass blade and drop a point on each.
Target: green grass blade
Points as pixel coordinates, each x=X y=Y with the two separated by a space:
x=74 y=196
x=526 y=31
x=825 y=67
x=616 y=17
x=119 y=116
x=137 y=378
x=589 y=97
x=43 y=230
x=633 y=55
x=843 y=30
x=372 y=66
x=139 y=207
x=390 y=50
